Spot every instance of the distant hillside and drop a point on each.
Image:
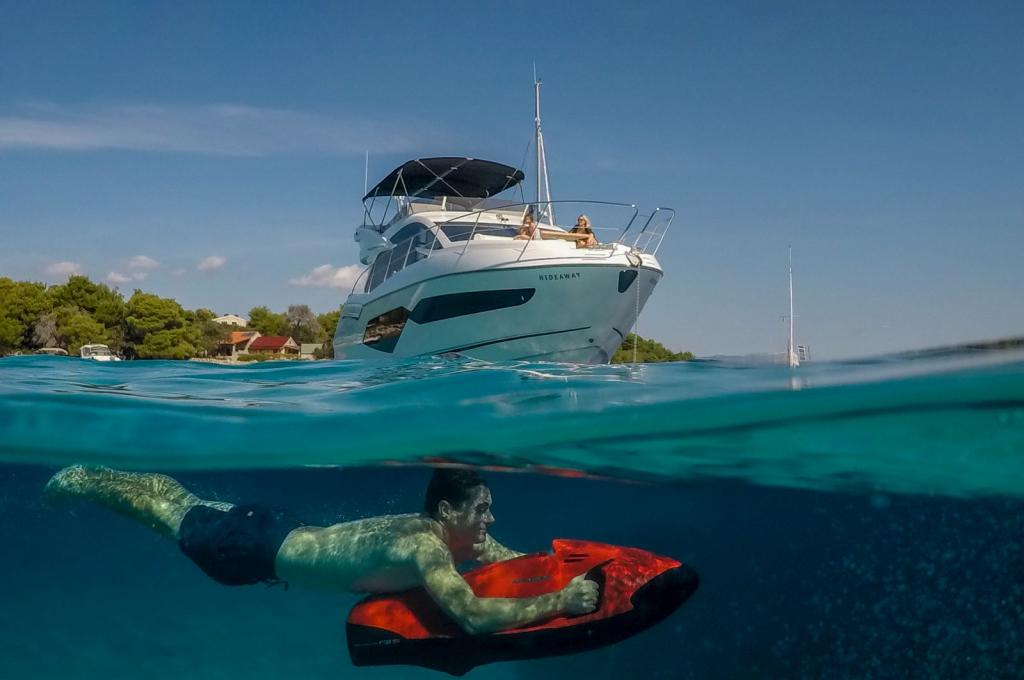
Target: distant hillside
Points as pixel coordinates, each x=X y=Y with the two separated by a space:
x=145 y=326
x=647 y=352
x=981 y=345
x=780 y=357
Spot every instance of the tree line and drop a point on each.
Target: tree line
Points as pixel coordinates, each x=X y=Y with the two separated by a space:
x=147 y=326
x=647 y=352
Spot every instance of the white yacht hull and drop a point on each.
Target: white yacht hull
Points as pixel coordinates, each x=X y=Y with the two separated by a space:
x=575 y=308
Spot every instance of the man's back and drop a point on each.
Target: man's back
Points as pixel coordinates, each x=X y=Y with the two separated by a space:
x=368 y=555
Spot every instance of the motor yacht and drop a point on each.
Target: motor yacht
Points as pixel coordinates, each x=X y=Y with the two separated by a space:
x=454 y=266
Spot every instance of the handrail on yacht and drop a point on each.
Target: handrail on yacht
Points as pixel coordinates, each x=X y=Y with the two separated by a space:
x=526 y=205
x=655 y=233
x=511 y=207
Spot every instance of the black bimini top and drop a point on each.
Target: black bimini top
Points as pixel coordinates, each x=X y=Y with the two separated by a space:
x=434 y=177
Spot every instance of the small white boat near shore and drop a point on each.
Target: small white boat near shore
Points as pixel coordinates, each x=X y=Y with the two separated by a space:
x=97 y=352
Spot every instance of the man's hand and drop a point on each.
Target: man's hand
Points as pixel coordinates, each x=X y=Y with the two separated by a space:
x=580 y=596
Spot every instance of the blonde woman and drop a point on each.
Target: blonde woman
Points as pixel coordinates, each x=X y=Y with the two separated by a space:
x=583 y=227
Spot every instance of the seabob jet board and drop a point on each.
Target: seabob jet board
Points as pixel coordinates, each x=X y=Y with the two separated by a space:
x=637 y=590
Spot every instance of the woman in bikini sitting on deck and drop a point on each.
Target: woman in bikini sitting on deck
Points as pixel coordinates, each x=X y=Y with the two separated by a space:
x=583 y=227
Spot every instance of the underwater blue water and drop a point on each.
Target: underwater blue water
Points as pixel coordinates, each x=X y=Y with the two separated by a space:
x=951 y=424
x=848 y=520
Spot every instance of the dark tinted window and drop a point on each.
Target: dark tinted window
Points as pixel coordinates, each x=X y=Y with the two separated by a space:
x=460 y=304
x=626 y=279
x=419 y=239
x=399 y=255
x=378 y=270
x=382 y=331
x=410 y=230
x=409 y=244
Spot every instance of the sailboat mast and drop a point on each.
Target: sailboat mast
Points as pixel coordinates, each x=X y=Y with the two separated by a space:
x=543 y=185
x=791 y=356
x=538 y=142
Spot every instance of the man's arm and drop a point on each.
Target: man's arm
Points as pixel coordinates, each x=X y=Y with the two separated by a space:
x=491 y=551
x=489 y=614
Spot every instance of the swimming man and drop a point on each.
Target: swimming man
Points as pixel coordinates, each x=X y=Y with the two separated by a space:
x=247 y=544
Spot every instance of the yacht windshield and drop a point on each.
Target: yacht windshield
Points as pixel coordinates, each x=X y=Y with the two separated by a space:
x=461 y=231
x=96 y=351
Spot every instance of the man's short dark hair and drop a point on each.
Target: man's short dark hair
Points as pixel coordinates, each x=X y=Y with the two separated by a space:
x=454 y=485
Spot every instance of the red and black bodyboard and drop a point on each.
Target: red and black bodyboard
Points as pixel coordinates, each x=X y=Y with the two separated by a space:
x=637 y=590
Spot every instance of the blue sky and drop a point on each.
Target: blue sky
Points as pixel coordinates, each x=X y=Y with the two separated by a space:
x=213 y=152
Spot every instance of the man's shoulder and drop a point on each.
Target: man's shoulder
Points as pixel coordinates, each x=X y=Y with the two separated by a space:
x=414 y=533
x=413 y=524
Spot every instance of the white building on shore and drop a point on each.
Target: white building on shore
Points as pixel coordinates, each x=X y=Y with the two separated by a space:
x=232 y=320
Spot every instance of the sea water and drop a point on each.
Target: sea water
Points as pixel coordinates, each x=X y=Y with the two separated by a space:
x=848 y=520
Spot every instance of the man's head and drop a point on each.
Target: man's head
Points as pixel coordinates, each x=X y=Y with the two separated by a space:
x=460 y=500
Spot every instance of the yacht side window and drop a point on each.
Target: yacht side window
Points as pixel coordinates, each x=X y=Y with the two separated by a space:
x=406 y=249
x=419 y=237
x=408 y=231
x=400 y=257
x=378 y=269
x=420 y=234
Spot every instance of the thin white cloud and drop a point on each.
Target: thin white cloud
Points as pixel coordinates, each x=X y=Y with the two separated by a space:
x=220 y=129
x=142 y=263
x=211 y=263
x=139 y=267
x=63 y=269
x=179 y=271
x=327 y=276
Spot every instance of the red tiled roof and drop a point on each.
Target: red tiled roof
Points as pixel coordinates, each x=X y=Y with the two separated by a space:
x=269 y=342
x=238 y=337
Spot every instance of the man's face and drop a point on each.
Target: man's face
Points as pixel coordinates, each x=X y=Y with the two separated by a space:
x=470 y=521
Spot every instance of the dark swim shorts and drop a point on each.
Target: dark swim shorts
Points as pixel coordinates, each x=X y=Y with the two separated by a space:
x=237 y=547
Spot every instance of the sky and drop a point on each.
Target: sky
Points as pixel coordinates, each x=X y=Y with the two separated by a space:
x=214 y=152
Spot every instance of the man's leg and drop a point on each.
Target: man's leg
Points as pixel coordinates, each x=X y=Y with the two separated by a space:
x=155 y=500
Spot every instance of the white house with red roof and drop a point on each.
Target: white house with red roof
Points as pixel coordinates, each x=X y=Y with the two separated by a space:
x=236 y=342
x=274 y=344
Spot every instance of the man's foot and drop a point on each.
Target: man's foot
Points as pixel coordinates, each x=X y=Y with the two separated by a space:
x=156 y=500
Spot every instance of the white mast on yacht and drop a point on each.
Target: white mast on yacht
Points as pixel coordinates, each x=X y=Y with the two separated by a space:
x=792 y=358
x=543 y=186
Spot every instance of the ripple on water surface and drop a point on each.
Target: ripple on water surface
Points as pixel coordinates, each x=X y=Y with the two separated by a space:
x=950 y=424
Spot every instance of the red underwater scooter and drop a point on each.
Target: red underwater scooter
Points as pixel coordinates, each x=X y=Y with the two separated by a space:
x=637 y=589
